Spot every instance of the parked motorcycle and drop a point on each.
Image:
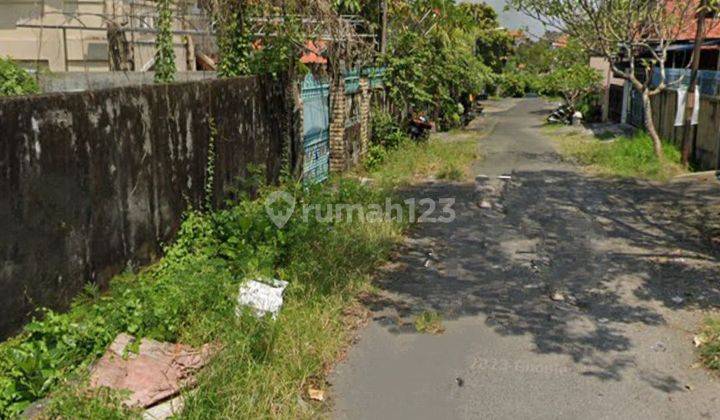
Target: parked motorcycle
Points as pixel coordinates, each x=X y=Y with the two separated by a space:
x=419 y=128
x=562 y=115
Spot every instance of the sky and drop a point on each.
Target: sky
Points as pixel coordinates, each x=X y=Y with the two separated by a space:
x=513 y=19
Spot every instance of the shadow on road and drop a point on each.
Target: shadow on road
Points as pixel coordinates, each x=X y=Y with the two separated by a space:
x=569 y=259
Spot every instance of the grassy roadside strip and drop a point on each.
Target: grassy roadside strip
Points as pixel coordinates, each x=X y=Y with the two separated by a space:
x=446 y=159
x=708 y=343
x=626 y=157
x=264 y=366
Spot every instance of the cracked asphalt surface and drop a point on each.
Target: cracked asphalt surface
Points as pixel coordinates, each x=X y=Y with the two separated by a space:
x=629 y=258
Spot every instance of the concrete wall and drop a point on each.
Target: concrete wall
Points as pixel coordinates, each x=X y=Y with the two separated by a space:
x=77 y=82
x=91 y=181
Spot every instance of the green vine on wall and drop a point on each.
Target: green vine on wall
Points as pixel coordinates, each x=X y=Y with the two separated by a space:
x=234 y=41
x=210 y=168
x=164 y=54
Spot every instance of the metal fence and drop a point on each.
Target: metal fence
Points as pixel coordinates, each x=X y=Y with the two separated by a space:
x=636 y=110
x=315 y=95
x=708 y=80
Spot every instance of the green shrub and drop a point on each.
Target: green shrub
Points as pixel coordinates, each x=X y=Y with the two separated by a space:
x=386 y=135
x=14 y=80
x=384 y=129
x=578 y=84
x=429 y=322
x=429 y=74
x=513 y=84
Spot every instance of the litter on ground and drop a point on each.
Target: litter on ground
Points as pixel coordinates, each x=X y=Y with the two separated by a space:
x=262 y=297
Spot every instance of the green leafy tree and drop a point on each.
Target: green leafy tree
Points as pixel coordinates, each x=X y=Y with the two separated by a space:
x=574 y=83
x=348 y=6
x=432 y=64
x=164 y=54
x=14 y=80
x=494 y=47
x=481 y=15
x=633 y=32
x=535 y=57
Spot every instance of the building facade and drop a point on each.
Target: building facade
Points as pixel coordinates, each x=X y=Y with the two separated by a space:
x=72 y=35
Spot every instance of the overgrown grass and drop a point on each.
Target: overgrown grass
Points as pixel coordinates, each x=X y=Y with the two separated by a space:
x=264 y=365
x=189 y=296
x=709 y=343
x=416 y=161
x=630 y=157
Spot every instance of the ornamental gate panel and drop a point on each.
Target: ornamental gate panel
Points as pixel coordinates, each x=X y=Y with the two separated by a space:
x=315 y=95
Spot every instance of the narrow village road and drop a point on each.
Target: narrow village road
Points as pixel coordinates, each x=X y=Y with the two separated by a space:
x=626 y=257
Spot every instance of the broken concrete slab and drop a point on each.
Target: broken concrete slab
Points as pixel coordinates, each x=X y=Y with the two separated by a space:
x=156 y=372
x=165 y=410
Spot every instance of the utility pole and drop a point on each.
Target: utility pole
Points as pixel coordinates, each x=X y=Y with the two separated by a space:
x=383 y=26
x=688 y=130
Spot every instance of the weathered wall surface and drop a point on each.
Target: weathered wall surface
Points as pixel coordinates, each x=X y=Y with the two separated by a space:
x=82 y=81
x=350 y=124
x=705 y=151
x=91 y=181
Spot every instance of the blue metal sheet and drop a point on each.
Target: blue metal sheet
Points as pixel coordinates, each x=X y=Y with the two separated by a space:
x=352 y=81
x=708 y=80
x=316 y=129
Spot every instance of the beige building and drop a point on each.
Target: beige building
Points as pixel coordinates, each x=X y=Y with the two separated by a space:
x=71 y=35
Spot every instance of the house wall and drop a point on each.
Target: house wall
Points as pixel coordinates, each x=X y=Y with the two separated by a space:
x=93 y=181
x=75 y=50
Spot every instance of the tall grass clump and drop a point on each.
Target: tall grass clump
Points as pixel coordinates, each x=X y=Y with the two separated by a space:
x=626 y=156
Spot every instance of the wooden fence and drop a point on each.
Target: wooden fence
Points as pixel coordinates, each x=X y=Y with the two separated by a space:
x=706 y=146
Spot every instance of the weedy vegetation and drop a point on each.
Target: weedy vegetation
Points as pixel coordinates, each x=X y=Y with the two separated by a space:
x=429 y=322
x=708 y=343
x=264 y=365
x=396 y=160
x=15 y=80
x=189 y=296
x=625 y=156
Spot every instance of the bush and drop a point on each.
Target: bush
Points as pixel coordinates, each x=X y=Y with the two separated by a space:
x=709 y=343
x=511 y=84
x=578 y=84
x=384 y=129
x=515 y=83
x=431 y=74
x=386 y=135
x=14 y=80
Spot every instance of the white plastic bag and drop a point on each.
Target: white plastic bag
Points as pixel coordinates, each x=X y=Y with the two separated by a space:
x=262 y=297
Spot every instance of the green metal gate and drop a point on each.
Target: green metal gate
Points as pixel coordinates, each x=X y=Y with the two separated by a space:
x=316 y=129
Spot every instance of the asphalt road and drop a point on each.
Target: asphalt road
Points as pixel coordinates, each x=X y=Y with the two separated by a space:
x=635 y=273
